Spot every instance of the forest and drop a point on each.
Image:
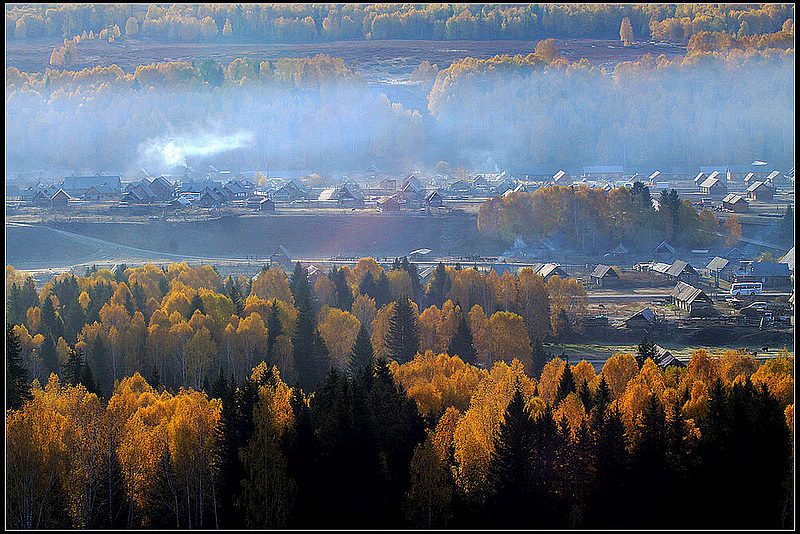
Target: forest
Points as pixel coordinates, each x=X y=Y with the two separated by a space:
x=297 y=23
x=593 y=219
x=525 y=113
x=169 y=397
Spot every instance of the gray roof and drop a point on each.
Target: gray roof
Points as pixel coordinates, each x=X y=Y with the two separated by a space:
x=661 y=267
x=756 y=185
x=602 y=270
x=647 y=314
x=733 y=198
x=664 y=358
x=688 y=293
x=768 y=268
x=710 y=182
x=788 y=259
x=679 y=267
x=717 y=264
x=551 y=269
x=666 y=246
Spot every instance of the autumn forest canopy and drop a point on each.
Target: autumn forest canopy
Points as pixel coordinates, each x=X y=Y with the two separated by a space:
x=150 y=397
x=530 y=112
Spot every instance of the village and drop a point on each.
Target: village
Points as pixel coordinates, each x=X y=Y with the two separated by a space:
x=668 y=293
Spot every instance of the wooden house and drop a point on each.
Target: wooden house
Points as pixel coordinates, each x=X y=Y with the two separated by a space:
x=60 y=200
x=605 y=276
x=735 y=203
x=266 y=204
x=713 y=187
x=562 y=178
x=642 y=319
x=682 y=271
x=281 y=258
x=760 y=191
x=692 y=299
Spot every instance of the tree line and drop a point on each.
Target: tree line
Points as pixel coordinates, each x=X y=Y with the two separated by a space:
x=594 y=219
x=182 y=326
x=432 y=442
x=319 y=22
x=528 y=113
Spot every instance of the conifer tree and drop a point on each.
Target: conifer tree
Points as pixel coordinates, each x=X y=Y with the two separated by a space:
x=274 y=329
x=299 y=284
x=73 y=368
x=462 y=344
x=402 y=337
x=196 y=304
x=344 y=297
x=645 y=350
x=383 y=290
x=362 y=355
x=538 y=358
x=510 y=467
x=367 y=285
x=566 y=385
x=17 y=386
x=439 y=286
x=234 y=292
x=311 y=357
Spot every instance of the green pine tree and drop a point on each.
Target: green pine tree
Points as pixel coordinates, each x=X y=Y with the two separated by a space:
x=17 y=386
x=362 y=355
x=402 y=337
x=566 y=385
x=462 y=344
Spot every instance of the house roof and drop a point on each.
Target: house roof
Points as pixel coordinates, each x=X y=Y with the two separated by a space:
x=655 y=175
x=757 y=185
x=717 y=264
x=60 y=194
x=772 y=175
x=661 y=267
x=328 y=194
x=688 y=293
x=664 y=246
x=710 y=182
x=647 y=314
x=769 y=268
x=559 y=176
x=680 y=266
x=604 y=270
x=282 y=249
x=664 y=358
x=733 y=198
x=788 y=258
x=551 y=269
x=700 y=177
x=422 y=251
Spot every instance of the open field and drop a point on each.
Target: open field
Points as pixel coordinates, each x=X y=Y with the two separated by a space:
x=386 y=61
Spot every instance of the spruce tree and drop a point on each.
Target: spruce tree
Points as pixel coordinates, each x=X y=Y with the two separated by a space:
x=367 y=285
x=14 y=305
x=119 y=273
x=566 y=385
x=362 y=355
x=73 y=368
x=510 y=467
x=645 y=350
x=402 y=337
x=439 y=286
x=28 y=296
x=538 y=358
x=234 y=293
x=383 y=292
x=17 y=385
x=462 y=344
x=139 y=298
x=344 y=297
x=196 y=304
x=48 y=355
x=299 y=284
x=311 y=357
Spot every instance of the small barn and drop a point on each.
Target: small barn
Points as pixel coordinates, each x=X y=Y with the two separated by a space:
x=760 y=191
x=691 y=299
x=605 y=276
x=663 y=249
x=770 y=274
x=391 y=203
x=644 y=318
x=266 y=204
x=713 y=187
x=720 y=267
x=681 y=271
x=665 y=358
x=434 y=200
x=60 y=200
x=281 y=258
x=735 y=203
x=548 y=270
